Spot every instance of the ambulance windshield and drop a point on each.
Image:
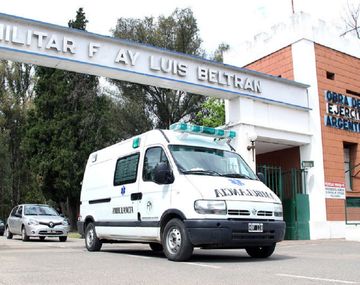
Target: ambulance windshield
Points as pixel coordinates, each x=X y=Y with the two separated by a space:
x=208 y=161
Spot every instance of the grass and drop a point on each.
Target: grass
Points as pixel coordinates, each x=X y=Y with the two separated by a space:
x=74 y=235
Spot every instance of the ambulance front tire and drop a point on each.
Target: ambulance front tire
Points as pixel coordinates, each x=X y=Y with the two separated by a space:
x=260 y=251
x=92 y=242
x=175 y=241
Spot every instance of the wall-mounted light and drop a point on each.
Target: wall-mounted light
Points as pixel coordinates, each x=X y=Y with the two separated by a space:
x=252 y=139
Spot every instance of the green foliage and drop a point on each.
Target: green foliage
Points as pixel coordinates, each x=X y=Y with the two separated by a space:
x=80 y=20
x=212 y=113
x=219 y=53
x=161 y=107
x=15 y=97
x=68 y=122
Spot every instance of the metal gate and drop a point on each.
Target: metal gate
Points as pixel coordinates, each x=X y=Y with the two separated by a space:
x=290 y=186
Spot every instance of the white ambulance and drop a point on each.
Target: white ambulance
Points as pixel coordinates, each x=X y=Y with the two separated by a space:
x=175 y=190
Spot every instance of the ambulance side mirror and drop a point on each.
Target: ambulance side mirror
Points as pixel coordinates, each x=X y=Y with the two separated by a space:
x=261 y=177
x=163 y=174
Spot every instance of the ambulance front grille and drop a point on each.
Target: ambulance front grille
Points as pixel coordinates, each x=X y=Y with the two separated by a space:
x=239 y=212
x=265 y=213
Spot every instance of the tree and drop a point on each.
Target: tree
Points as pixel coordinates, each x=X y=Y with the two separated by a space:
x=68 y=122
x=15 y=97
x=177 y=32
x=351 y=20
x=212 y=112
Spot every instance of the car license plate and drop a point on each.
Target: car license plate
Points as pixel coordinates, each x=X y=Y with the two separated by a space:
x=256 y=227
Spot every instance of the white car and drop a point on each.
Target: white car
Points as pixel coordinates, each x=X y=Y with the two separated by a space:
x=33 y=220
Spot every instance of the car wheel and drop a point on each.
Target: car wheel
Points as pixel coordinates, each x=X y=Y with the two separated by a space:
x=8 y=234
x=156 y=247
x=42 y=238
x=92 y=242
x=260 y=251
x=175 y=241
x=24 y=236
x=62 y=239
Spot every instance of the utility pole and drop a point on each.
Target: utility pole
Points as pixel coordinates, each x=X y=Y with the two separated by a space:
x=292 y=6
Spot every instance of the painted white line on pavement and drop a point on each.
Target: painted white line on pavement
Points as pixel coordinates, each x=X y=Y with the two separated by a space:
x=202 y=265
x=318 y=279
x=137 y=256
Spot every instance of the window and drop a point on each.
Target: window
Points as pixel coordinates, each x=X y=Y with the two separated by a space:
x=126 y=169
x=208 y=161
x=351 y=92
x=153 y=156
x=330 y=75
x=19 y=211
x=351 y=169
x=13 y=211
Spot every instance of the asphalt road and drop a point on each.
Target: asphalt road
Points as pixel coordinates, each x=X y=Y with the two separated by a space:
x=294 y=262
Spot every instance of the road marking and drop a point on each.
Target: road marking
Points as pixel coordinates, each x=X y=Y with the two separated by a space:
x=202 y=265
x=138 y=256
x=318 y=279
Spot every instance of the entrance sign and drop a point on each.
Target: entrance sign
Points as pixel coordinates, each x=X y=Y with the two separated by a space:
x=342 y=112
x=49 y=45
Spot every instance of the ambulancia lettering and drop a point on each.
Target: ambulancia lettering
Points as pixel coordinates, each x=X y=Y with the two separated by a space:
x=224 y=192
x=123 y=210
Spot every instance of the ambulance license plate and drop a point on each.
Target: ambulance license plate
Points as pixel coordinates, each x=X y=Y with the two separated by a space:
x=256 y=227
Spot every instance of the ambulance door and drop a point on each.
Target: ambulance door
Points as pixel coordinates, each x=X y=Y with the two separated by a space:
x=124 y=202
x=155 y=197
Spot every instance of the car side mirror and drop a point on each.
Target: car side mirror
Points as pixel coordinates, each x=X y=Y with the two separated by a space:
x=261 y=177
x=62 y=215
x=163 y=174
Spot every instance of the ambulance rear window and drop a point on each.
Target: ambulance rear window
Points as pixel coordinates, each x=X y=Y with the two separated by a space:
x=126 y=169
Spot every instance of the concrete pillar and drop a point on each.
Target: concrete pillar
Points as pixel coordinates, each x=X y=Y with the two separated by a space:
x=239 y=110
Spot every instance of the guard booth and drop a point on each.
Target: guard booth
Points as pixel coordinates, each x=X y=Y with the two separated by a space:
x=289 y=183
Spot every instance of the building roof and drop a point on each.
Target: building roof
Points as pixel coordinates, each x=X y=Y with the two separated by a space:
x=298 y=27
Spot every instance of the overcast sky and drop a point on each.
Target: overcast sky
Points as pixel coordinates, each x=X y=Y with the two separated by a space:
x=229 y=21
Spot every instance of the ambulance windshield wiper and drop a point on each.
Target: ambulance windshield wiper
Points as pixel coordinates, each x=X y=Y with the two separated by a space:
x=237 y=175
x=201 y=172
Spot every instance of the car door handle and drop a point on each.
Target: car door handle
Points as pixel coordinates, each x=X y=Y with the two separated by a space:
x=136 y=196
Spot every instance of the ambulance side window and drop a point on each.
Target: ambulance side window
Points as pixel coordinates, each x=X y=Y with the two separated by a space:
x=153 y=156
x=126 y=169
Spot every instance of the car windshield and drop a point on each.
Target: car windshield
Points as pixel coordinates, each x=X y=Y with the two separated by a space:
x=37 y=210
x=208 y=161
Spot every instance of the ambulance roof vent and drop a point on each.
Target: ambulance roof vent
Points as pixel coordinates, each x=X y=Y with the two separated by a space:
x=202 y=130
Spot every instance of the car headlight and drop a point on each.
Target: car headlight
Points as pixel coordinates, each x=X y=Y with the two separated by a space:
x=210 y=207
x=278 y=211
x=33 y=222
x=65 y=223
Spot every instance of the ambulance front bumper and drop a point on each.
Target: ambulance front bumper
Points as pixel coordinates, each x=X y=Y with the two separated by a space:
x=234 y=233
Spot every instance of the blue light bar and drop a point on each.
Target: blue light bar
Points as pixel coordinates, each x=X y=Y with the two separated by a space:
x=202 y=130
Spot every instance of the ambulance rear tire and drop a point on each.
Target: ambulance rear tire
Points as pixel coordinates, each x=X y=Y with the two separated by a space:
x=260 y=251
x=176 y=242
x=92 y=242
x=156 y=247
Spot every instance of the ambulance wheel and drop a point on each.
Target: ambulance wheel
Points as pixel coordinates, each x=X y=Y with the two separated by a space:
x=260 y=251
x=175 y=241
x=92 y=242
x=156 y=247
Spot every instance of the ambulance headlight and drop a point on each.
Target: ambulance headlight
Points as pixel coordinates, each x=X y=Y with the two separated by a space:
x=210 y=207
x=278 y=211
